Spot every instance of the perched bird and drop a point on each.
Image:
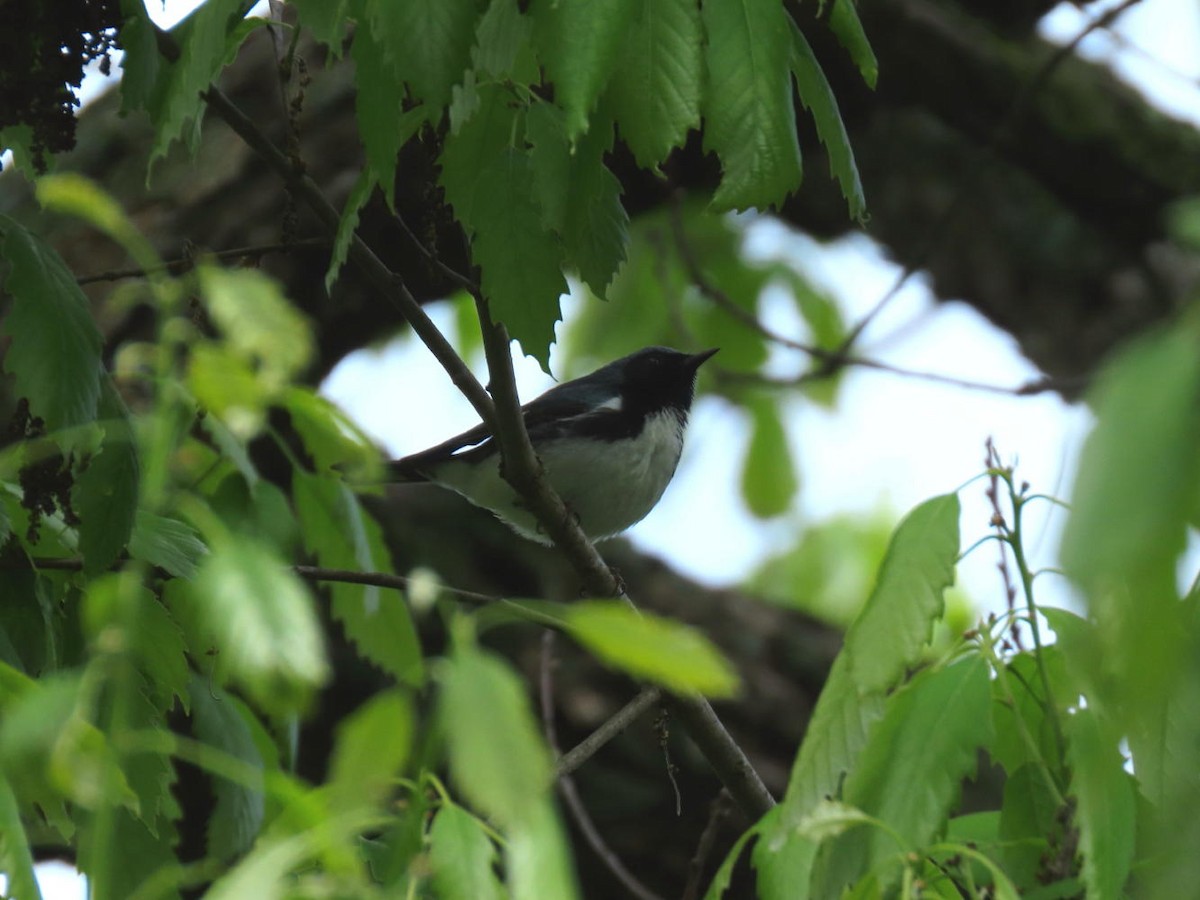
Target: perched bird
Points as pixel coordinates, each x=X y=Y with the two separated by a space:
x=609 y=443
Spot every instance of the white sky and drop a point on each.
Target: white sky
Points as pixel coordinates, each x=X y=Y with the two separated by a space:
x=891 y=441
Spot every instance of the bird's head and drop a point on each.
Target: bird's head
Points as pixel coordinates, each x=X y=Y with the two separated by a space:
x=658 y=378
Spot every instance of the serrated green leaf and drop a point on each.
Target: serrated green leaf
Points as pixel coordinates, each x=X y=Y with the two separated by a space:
x=106 y=492
x=898 y=618
x=579 y=45
x=596 y=227
x=497 y=755
x=646 y=646
x=16 y=860
x=240 y=809
x=167 y=543
x=846 y=27
x=470 y=151
x=783 y=868
x=520 y=262
x=538 y=857
x=55 y=352
x=427 y=42
x=502 y=37
x=462 y=855
x=655 y=88
x=831 y=818
x=343 y=536
x=910 y=770
x=259 y=620
x=371 y=747
x=768 y=477
x=208 y=40
x=749 y=119
x=142 y=64
x=817 y=97
x=152 y=775
x=27 y=616
x=383 y=123
x=326 y=19
x=348 y=223
x=885 y=639
x=1105 y=810
x=550 y=155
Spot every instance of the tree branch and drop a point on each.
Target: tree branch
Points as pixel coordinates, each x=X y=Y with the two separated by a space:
x=183 y=263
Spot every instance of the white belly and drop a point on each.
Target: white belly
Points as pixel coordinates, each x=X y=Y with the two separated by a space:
x=609 y=486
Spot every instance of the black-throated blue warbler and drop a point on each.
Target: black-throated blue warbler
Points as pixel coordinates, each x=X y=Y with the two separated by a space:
x=609 y=442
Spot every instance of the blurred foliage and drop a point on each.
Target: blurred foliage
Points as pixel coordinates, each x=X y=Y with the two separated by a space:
x=150 y=565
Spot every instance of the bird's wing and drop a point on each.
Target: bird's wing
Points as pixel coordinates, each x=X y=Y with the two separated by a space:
x=545 y=417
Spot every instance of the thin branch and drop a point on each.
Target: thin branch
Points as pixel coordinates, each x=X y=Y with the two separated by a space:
x=522 y=469
x=451 y=274
x=566 y=785
x=520 y=464
x=183 y=263
x=383 y=279
x=609 y=729
x=1001 y=133
x=718 y=811
x=832 y=360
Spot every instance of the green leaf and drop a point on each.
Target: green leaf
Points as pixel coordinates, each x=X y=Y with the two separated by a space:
x=16 y=860
x=1138 y=473
x=768 y=476
x=519 y=261
x=167 y=543
x=646 y=646
x=1029 y=821
x=326 y=19
x=372 y=745
x=724 y=874
x=259 y=324
x=497 y=756
x=142 y=855
x=51 y=751
x=151 y=775
x=383 y=123
x=596 y=227
x=749 y=119
x=75 y=195
x=846 y=27
x=503 y=43
x=910 y=770
x=882 y=643
x=348 y=223
x=343 y=536
x=817 y=97
x=239 y=813
x=55 y=352
x=538 y=857
x=329 y=435
x=208 y=40
x=579 y=44
x=227 y=387
x=1105 y=811
x=897 y=621
x=427 y=43
x=106 y=492
x=258 y=618
x=655 y=88
x=118 y=602
x=462 y=855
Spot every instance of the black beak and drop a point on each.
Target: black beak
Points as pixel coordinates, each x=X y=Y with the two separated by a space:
x=696 y=360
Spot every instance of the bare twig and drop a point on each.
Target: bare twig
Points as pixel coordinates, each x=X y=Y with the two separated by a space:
x=837 y=359
x=718 y=811
x=566 y=784
x=609 y=729
x=183 y=263
x=390 y=285
x=1001 y=133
